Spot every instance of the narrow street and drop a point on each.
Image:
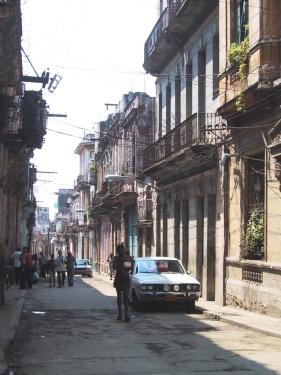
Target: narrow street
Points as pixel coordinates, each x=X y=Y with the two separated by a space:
x=75 y=331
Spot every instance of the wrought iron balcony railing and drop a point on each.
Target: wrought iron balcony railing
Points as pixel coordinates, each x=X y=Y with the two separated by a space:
x=161 y=25
x=199 y=129
x=144 y=210
x=83 y=179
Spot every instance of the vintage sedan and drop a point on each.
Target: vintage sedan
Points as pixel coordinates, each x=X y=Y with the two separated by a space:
x=83 y=268
x=162 y=279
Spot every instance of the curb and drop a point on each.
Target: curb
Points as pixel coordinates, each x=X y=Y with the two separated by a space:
x=219 y=316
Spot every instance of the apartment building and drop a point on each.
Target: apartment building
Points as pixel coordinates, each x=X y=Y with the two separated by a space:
x=182 y=52
x=121 y=208
x=84 y=185
x=23 y=116
x=249 y=99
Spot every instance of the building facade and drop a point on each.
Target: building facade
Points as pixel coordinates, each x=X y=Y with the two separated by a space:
x=118 y=209
x=84 y=185
x=23 y=116
x=182 y=51
x=249 y=100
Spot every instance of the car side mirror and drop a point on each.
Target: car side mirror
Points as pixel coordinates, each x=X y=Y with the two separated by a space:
x=188 y=272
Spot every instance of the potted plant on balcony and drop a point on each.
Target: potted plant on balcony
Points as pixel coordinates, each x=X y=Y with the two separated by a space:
x=253 y=240
x=238 y=56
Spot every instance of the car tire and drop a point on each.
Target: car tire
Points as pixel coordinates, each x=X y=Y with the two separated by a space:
x=137 y=305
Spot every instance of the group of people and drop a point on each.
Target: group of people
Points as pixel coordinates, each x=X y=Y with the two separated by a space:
x=28 y=268
x=27 y=264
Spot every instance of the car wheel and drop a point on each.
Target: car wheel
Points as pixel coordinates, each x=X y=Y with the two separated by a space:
x=137 y=305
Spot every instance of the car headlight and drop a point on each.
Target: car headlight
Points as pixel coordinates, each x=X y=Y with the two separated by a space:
x=193 y=287
x=143 y=287
x=176 y=288
x=166 y=288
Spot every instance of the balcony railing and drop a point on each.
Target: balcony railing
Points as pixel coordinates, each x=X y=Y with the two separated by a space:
x=199 y=129
x=156 y=32
x=83 y=179
x=161 y=25
x=144 y=210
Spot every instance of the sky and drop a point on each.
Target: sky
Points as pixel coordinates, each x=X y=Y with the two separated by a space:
x=96 y=46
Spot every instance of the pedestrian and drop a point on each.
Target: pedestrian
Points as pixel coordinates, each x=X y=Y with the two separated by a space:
x=60 y=263
x=28 y=268
x=110 y=265
x=70 y=266
x=42 y=265
x=122 y=264
x=22 y=268
x=17 y=264
x=51 y=270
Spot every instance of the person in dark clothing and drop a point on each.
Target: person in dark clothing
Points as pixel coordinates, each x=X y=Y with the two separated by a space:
x=70 y=266
x=122 y=264
x=51 y=270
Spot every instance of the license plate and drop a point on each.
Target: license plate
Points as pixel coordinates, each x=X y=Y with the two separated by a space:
x=170 y=297
x=192 y=294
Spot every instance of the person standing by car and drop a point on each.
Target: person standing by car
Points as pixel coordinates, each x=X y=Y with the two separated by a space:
x=70 y=266
x=60 y=262
x=110 y=265
x=122 y=264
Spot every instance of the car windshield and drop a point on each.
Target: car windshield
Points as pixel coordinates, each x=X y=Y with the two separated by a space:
x=82 y=262
x=159 y=266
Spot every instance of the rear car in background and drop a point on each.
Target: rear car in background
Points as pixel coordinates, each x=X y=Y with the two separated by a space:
x=163 y=280
x=83 y=268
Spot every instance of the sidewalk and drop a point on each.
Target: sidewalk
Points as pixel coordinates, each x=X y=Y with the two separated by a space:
x=239 y=317
x=9 y=319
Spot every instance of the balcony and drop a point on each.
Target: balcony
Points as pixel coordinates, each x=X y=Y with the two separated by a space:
x=188 y=148
x=34 y=119
x=144 y=211
x=112 y=196
x=174 y=27
x=83 y=181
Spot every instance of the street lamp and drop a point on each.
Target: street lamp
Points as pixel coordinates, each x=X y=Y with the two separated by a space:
x=116 y=178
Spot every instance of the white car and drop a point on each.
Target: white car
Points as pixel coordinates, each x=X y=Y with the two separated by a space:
x=162 y=279
x=83 y=268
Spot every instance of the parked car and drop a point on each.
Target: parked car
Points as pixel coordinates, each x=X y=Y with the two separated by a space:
x=83 y=268
x=162 y=279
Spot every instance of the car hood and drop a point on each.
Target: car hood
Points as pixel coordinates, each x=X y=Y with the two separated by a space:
x=165 y=278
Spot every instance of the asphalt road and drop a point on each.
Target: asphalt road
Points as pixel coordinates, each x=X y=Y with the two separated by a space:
x=75 y=331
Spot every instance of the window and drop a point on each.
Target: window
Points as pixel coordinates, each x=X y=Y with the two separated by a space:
x=189 y=90
x=168 y=108
x=202 y=81
x=160 y=115
x=241 y=20
x=255 y=167
x=215 y=65
x=177 y=100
